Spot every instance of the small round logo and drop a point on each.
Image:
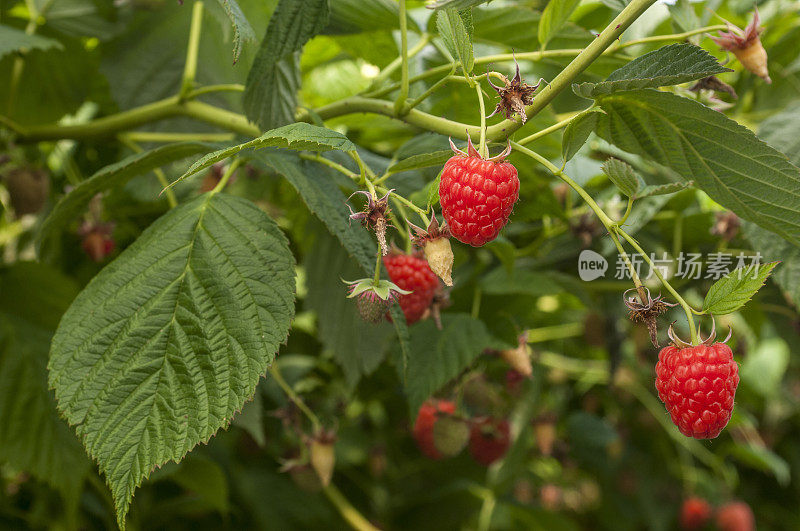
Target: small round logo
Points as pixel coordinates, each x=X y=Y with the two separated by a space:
x=591 y=265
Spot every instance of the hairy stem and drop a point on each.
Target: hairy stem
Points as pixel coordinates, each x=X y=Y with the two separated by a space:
x=347 y=511
x=400 y=103
x=294 y=397
x=190 y=68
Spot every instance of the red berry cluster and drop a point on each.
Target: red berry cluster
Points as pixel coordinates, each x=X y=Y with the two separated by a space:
x=733 y=516
x=488 y=438
x=698 y=384
x=477 y=195
x=413 y=274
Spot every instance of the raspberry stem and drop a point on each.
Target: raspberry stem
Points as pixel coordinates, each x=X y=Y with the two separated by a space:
x=400 y=102
x=481 y=105
x=190 y=67
x=615 y=229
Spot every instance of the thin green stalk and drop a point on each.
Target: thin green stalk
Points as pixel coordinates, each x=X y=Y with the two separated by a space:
x=232 y=167
x=550 y=333
x=155 y=136
x=433 y=88
x=482 y=110
x=395 y=64
x=599 y=212
x=604 y=219
x=546 y=131
x=672 y=37
x=487 y=509
x=19 y=61
x=476 y=302
x=331 y=164
x=627 y=212
x=190 y=68
x=347 y=511
x=208 y=89
x=294 y=397
x=585 y=58
x=400 y=103
x=377 y=276
x=162 y=179
x=686 y=307
x=422 y=214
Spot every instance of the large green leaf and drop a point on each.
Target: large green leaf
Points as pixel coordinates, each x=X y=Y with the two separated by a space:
x=723 y=158
x=270 y=95
x=79 y=18
x=33 y=437
x=298 y=136
x=242 y=30
x=14 y=40
x=437 y=356
x=455 y=28
x=553 y=17
x=113 y=175
x=670 y=65
x=168 y=342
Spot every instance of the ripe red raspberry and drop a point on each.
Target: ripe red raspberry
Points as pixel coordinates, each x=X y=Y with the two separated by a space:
x=695 y=512
x=412 y=274
x=489 y=440
x=697 y=384
x=736 y=516
x=477 y=195
x=427 y=417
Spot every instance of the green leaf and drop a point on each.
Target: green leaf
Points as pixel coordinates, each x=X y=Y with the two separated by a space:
x=356 y=16
x=773 y=247
x=357 y=346
x=251 y=420
x=723 y=158
x=554 y=16
x=663 y=189
x=437 y=356
x=577 y=132
x=455 y=28
x=33 y=437
x=298 y=136
x=168 y=342
x=242 y=31
x=763 y=458
x=455 y=4
x=205 y=479
x=732 y=291
x=79 y=18
x=113 y=175
x=14 y=40
x=782 y=131
x=425 y=160
x=764 y=367
x=670 y=65
x=622 y=175
x=270 y=95
x=324 y=199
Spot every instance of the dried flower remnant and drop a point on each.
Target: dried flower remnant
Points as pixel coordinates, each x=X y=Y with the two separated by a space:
x=645 y=311
x=374 y=216
x=514 y=95
x=746 y=46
